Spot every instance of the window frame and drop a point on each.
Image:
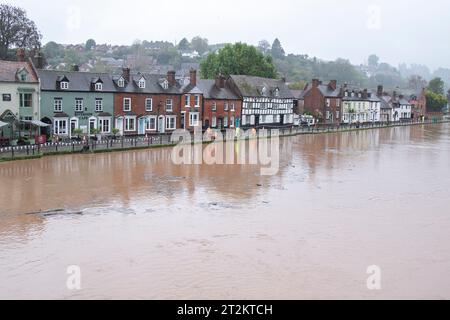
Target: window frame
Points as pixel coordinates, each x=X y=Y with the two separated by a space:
x=125 y=100
x=98 y=100
x=77 y=109
x=169 y=104
x=64 y=85
x=191 y=119
x=60 y=100
x=147 y=100
x=127 y=122
x=168 y=121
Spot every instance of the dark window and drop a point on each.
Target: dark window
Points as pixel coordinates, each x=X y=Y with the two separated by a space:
x=6 y=97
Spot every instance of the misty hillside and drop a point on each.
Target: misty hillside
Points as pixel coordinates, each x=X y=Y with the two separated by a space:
x=161 y=56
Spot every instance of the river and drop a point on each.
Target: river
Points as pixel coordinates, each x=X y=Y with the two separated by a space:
x=154 y=230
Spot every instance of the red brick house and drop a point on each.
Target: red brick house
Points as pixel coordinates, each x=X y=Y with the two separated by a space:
x=221 y=106
x=191 y=111
x=419 y=104
x=323 y=101
x=147 y=103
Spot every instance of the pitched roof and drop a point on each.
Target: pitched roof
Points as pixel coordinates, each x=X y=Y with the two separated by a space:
x=78 y=81
x=211 y=91
x=298 y=94
x=153 y=84
x=254 y=87
x=329 y=92
x=9 y=70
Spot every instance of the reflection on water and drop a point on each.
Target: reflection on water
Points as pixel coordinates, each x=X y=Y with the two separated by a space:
x=150 y=229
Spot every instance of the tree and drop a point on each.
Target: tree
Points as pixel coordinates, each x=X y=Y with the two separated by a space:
x=238 y=59
x=374 y=61
x=200 y=45
x=16 y=29
x=184 y=45
x=416 y=83
x=90 y=44
x=53 y=50
x=436 y=86
x=264 y=46
x=277 y=50
x=435 y=102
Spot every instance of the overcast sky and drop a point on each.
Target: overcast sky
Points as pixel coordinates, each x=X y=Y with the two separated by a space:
x=411 y=31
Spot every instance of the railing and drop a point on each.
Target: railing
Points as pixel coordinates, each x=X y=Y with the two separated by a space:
x=124 y=143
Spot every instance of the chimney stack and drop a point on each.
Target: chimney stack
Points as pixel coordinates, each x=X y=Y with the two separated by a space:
x=315 y=83
x=126 y=74
x=380 y=91
x=220 y=81
x=75 y=68
x=171 y=78
x=20 y=55
x=39 y=60
x=333 y=84
x=365 y=94
x=193 y=77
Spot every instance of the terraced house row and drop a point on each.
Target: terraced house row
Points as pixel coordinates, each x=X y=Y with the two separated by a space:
x=346 y=104
x=67 y=103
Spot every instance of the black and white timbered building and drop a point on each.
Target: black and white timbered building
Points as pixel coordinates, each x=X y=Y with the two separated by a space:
x=266 y=102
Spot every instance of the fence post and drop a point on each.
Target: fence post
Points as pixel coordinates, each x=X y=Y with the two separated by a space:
x=12 y=152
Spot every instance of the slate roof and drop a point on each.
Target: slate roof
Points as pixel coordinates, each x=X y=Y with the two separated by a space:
x=253 y=87
x=329 y=92
x=298 y=94
x=325 y=89
x=78 y=81
x=153 y=84
x=211 y=91
x=9 y=69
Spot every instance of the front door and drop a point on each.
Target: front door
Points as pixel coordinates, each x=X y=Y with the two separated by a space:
x=92 y=125
x=220 y=123
x=141 y=126
x=161 y=125
x=73 y=127
x=183 y=121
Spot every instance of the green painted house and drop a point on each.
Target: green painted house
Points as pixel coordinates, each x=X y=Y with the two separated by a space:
x=77 y=100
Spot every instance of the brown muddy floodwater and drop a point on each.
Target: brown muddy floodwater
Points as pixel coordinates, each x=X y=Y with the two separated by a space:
x=154 y=230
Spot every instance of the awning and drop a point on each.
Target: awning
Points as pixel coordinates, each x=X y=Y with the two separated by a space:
x=2 y=124
x=36 y=123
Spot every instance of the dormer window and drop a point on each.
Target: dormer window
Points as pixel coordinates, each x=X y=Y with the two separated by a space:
x=98 y=87
x=22 y=75
x=64 y=85
x=264 y=91
x=121 y=83
x=277 y=92
x=165 y=85
x=141 y=84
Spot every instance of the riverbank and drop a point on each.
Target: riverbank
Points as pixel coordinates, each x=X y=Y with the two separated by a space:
x=8 y=154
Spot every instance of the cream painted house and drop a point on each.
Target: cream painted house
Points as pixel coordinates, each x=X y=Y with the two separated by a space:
x=360 y=107
x=19 y=95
